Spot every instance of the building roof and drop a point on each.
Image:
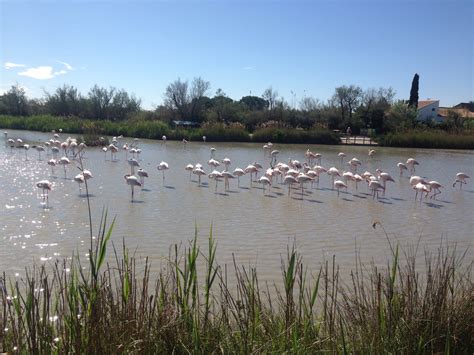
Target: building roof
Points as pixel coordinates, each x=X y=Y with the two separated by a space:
x=466 y=106
x=425 y=103
x=444 y=111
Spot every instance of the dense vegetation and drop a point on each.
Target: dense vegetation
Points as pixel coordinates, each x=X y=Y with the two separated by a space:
x=110 y=111
x=429 y=139
x=191 y=307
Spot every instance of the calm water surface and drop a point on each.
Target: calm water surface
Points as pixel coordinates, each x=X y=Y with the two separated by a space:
x=255 y=228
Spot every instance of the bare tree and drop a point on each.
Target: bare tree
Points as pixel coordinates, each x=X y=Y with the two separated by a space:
x=271 y=96
x=309 y=104
x=347 y=98
x=185 y=99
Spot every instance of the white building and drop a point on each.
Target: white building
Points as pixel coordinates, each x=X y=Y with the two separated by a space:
x=428 y=110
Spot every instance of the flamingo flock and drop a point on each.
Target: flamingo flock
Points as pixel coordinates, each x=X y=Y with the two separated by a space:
x=293 y=173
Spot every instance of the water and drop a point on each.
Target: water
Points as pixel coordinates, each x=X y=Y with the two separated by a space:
x=255 y=228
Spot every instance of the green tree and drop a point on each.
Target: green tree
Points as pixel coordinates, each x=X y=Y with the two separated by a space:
x=65 y=101
x=347 y=99
x=413 y=102
x=254 y=103
x=100 y=102
x=14 y=102
x=400 y=117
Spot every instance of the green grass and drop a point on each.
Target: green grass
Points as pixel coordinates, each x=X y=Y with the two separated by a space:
x=190 y=307
x=429 y=139
x=285 y=135
x=92 y=129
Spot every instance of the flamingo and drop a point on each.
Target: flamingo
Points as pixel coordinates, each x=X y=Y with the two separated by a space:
x=333 y=172
x=212 y=150
x=375 y=186
x=132 y=181
x=302 y=178
x=142 y=173
x=39 y=149
x=162 y=167
x=79 y=178
x=216 y=175
x=371 y=153
x=250 y=169
x=265 y=181
x=204 y=139
x=402 y=167
x=133 y=163
x=52 y=163
x=64 y=161
x=357 y=178
x=113 y=151
x=338 y=184
x=164 y=139
x=342 y=156
x=461 y=178
x=385 y=177
x=416 y=180
x=199 y=172
x=227 y=175
x=354 y=162
x=411 y=165
x=27 y=147
x=289 y=180
x=104 y=149
x=45 y=186
x=214 y=163
x=434 y=186
x=226 y=161
x=189 y=168
x=238 y=172
x=421 y=188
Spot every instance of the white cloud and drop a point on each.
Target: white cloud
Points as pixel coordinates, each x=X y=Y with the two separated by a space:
x=248 y=68
x=61 y=72
x=9 y=65
x=68 y=66
x=40 y=73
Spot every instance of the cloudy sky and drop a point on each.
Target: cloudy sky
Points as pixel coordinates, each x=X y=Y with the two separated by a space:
x=300 y=48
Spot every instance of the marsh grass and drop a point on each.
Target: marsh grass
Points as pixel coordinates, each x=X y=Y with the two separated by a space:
x=190 y=307
x=429 y=139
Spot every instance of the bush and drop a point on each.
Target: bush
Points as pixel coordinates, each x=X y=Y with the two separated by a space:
x=284 y=135
x=428 y=139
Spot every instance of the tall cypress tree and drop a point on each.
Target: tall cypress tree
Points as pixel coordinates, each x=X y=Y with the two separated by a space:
x=414 y=91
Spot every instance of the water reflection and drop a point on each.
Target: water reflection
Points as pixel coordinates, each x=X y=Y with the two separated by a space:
x=254 y=225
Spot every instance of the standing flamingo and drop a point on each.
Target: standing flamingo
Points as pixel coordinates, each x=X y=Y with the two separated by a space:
x=39 y=149
x=385 y=177
x=411 y=165
x=45 y=186
x=199 y=172
x=289 y=180
x=342 y=156
x=64 y=161
x=238 y=172
x=132 y=181
x=338 y=184
x=52 y=163
x=142 y=173
x=162 y=167
x=133 y=164
x=461 y=178
x=402 y=167
x=189 y=168
x=333 y=172
x=27 y=147
x=265 y=181
x=434 y=187
x=422 y=189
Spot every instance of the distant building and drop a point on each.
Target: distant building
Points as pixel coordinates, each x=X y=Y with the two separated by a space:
x=463 y=109
x=428 y=110
x=186 y=124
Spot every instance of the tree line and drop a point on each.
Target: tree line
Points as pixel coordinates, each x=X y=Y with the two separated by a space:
x=191 y=101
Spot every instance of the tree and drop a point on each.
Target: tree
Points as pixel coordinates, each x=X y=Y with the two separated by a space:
x=187 y=100
x=124 y=105
x=270 y=96
x=400 y=117
x=373 y=104
x=100 y=102
x=254 y=103
x=413 y=102
x=14 y=102
x=347 y=98
x=65 y=101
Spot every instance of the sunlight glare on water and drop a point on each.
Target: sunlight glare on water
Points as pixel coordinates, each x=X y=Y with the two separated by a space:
x=256 y=228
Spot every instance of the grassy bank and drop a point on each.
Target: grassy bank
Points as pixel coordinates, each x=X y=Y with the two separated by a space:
x=189 y=306
x=156 y=129
x=429 y=139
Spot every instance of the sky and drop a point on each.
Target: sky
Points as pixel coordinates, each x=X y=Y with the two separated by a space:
x=299 y=48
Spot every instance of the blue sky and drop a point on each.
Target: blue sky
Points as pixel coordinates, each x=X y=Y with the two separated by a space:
x=300 y=47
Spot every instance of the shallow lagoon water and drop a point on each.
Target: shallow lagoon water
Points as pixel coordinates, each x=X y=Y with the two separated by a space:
x=253 y=227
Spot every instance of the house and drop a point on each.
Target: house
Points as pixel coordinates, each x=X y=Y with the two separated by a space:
x=428 y=111
x=463 y=109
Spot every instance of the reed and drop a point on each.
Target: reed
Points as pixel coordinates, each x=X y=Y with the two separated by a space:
x=190 y=306
x=429 y=139
x=285 y=135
